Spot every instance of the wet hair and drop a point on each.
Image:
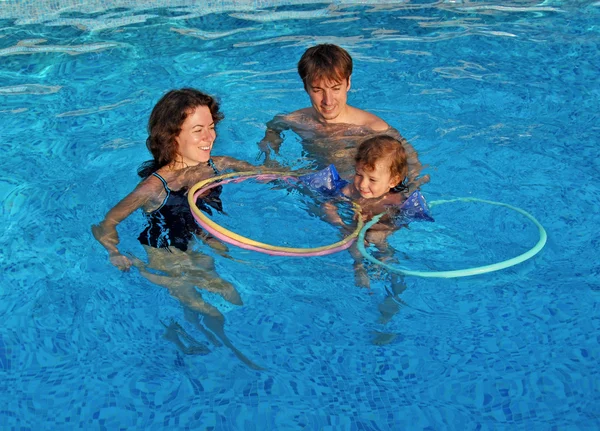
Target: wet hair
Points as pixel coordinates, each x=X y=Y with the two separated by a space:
x=325 y=61
x=384 y=147
x=165 y=123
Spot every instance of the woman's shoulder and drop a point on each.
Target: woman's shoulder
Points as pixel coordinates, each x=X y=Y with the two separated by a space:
x=152 y=184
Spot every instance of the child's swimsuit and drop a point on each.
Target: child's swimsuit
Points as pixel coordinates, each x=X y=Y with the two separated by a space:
x=172 y=224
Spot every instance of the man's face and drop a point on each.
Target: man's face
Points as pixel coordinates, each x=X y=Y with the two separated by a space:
x=329 y=98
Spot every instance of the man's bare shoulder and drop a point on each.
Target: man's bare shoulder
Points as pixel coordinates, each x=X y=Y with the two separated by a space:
x=302 y=118
x=366 y=119
x=303 y=115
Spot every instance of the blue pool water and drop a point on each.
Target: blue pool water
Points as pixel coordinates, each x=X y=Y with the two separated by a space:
x=501 y=100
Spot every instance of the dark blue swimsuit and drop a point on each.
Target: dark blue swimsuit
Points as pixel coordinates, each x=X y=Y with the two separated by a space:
x=172 y=224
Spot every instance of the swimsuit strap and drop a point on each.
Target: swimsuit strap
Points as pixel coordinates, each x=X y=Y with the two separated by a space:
x=167 y=189
x=400 y=187
x=212 y=165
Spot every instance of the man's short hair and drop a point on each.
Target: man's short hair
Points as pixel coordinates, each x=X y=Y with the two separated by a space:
x=324 y=61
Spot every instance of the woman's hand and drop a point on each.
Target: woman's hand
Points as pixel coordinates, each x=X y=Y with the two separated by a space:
x=120 y=261
x=109 y=242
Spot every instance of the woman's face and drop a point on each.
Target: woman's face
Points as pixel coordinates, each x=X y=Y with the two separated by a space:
x=195 y=141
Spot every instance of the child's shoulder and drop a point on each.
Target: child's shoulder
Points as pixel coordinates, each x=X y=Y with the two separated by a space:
x=395 y=198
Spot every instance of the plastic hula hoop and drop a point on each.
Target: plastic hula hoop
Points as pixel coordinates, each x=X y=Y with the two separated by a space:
x=459 y=272
x=249 y=244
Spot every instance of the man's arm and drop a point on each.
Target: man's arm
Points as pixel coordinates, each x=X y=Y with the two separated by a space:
x=414 y=164
x=272 y=139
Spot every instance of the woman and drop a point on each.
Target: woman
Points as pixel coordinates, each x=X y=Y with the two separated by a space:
x=181 y=136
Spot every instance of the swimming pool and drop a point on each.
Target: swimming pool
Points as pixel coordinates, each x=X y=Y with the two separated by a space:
x=500 y=100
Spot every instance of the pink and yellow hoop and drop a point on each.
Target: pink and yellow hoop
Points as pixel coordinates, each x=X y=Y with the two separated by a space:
x=235 y=239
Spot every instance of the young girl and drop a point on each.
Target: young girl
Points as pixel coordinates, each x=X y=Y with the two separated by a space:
x=378 y=186
x=380 y=173
x=181 y=136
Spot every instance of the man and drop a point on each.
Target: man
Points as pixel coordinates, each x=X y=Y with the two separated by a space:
x=330 y=129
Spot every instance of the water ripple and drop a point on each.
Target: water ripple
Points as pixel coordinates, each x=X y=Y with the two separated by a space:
x=511 y=8
x=14 y=111
x=30 y=46
x=97 y=109
x=465 y=71
x=305 y=40
x=287 y=15
x=29 y=89
x=100 y=23
x=210 y=35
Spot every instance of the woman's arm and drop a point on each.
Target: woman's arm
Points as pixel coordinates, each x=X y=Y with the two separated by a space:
x=105 y=232
x=226 y=162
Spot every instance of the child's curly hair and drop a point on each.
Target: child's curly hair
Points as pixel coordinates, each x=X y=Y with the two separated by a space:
x=384 y=147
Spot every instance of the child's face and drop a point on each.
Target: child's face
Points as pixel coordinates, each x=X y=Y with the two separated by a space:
x=375 y=183
x=195 y=141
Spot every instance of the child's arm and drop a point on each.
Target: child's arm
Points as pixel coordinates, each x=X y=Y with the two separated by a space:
x=331 y=212
x=332 y=215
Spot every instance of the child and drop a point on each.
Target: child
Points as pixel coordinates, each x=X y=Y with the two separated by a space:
x=181 y=136
x=380 y=173
x=378 y=186
x=379 y=183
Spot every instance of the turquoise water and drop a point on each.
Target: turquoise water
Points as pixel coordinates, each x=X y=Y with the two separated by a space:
x=500 y=100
